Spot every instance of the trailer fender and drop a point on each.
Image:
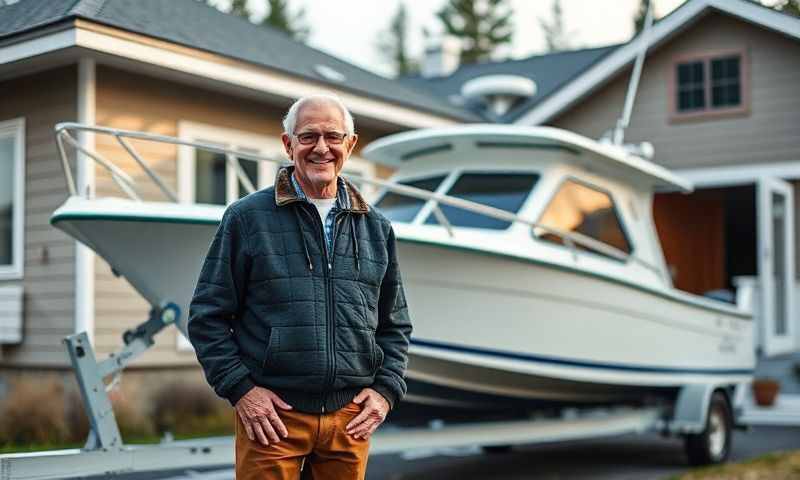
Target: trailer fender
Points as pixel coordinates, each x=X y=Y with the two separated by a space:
x=691 y=408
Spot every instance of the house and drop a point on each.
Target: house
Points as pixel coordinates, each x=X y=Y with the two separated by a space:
x=717 y=99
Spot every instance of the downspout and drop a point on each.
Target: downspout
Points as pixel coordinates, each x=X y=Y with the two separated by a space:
x=84 y=256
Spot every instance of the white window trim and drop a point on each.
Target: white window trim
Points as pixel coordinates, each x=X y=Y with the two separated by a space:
x=733 y=175
x=16 y=270
x=228 y=138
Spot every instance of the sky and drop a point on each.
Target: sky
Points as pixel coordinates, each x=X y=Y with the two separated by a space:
x=349 y=29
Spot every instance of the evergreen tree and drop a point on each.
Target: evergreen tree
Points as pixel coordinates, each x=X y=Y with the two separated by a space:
x=641 y=14
x=555 y=35
x=393 y=43
x=481 y=25
x=792 y=7
x=283 y=19
x=239 y=8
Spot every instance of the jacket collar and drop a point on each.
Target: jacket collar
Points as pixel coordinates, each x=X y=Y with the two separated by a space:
x=285 y=192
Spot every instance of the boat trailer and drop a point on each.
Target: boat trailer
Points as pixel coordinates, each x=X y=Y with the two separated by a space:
x=105 y=453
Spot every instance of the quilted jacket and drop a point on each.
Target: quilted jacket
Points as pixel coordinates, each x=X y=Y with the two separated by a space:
x=273 y=308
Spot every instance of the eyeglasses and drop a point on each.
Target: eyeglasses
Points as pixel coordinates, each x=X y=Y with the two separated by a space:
x=311 y=138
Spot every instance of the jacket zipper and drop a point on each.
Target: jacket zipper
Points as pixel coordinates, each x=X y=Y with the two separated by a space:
x=328 y=268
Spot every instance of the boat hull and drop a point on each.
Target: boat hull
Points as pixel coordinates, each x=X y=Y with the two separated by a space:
x=490 y=331
x=521 y=329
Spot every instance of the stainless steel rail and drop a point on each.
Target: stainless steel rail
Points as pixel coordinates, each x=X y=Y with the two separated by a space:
x=64 y=132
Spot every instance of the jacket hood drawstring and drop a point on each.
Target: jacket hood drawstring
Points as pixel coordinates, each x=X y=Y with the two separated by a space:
x=354 y=240
x=302 y=237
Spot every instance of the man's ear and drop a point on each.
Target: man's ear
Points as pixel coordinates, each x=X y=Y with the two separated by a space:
x=287 y=144
x=351 y=144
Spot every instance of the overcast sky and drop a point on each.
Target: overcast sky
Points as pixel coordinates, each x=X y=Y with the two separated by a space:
x=349 y=28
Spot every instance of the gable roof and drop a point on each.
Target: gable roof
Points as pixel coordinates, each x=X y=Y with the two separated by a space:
x=596 y=75
x=550 y=72
x=193 y=24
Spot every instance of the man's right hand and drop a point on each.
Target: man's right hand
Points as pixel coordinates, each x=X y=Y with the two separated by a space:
x=259 y=416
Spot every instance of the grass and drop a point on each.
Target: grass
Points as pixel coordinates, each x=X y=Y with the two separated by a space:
x=133 y=440
x=773 y=466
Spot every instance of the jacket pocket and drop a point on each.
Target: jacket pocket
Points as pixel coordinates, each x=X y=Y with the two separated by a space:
x=367 y=310
x=270 y=346
x=377 y=356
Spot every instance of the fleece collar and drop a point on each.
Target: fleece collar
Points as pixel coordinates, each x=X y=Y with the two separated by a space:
x=285 y=192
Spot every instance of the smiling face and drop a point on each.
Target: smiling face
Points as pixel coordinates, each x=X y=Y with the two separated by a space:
x=318 y=165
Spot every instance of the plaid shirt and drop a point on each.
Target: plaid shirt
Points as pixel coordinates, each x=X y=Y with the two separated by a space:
x=342 y=202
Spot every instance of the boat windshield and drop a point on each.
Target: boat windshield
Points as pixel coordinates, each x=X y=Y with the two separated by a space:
x=402 y=208
x=506 y=191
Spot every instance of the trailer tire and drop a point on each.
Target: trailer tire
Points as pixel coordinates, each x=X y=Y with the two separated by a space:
x=713 y=444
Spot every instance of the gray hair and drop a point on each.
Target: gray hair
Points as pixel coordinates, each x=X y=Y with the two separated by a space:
x=290 y=120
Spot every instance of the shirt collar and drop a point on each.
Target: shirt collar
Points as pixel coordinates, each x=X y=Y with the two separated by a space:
x=342 y=198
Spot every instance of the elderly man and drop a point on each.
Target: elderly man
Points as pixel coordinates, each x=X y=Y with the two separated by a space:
x=299 y=317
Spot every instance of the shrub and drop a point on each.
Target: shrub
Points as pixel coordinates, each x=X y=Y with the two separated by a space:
x=190 y=410
x=33 y=413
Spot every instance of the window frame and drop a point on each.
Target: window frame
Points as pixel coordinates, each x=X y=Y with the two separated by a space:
x=426 y=204
x=15 y=128
x=617 y=211
x=226 y=138
x=450 y=181
x=709 y=112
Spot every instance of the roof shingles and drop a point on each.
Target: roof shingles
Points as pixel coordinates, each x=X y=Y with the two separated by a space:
x=192 y=23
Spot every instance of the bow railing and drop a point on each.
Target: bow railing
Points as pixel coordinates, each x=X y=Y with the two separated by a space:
x=65 y=134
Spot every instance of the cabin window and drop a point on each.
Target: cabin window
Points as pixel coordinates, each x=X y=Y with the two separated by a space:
x=580 y=208
x=506 y=191
x=709 y=85
x=402 y=208
x=12 y=142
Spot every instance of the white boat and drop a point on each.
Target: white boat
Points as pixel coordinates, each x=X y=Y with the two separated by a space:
x=570 y=300
x=532 y=268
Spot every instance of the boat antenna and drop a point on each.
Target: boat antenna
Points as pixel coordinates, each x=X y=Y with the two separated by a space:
x=618 y=136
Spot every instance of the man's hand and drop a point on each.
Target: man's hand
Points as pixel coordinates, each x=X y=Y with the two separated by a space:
x=259 y=416
x=374 y=409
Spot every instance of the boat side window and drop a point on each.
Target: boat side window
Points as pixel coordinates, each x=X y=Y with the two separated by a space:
x=579 y=208
x=402 y=208
x=506 y=191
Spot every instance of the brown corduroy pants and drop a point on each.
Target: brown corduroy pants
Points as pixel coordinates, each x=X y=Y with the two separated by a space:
x=329 y=452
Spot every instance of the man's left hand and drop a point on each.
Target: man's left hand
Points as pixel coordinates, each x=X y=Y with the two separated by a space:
x=374 y=409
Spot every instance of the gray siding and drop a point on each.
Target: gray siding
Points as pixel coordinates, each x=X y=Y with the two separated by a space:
x=43 y=100
x=768 y=133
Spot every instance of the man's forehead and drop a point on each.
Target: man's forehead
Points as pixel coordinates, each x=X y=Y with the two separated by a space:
x=319 y=111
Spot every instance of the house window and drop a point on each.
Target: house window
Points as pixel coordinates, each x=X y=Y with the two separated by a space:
x=589 y=211
x=207 y=177
x=12 y=144
x=710 y=85
x=691 y=86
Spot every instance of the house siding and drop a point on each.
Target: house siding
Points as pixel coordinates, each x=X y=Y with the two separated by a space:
x=43 y=99
x=131 y=101
x=767 y=133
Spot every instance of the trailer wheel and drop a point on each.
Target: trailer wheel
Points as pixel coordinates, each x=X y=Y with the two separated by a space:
x=713 y=444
